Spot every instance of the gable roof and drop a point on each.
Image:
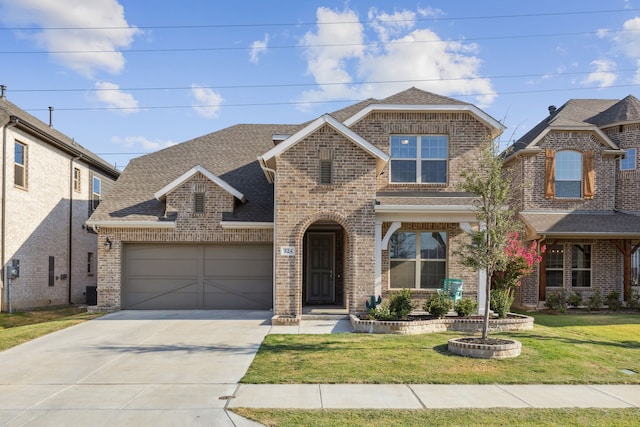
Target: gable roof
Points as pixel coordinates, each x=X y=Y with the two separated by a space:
x=414 y=99
x=267 y=160
x=162 y=193
x=583 y=114
x=11 y=113
x=229 y=154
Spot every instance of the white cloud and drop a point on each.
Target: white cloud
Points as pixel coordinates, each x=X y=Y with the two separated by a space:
x=142 y=142
x=258 y=47
x=399 y=52
x=604 y=76
x=207 y=102
x=629 y=42
x=113 y=97
x=96 y=18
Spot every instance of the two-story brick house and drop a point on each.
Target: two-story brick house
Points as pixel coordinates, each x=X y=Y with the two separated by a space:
x=577 y=190
x=359 y=202
x=50 y=186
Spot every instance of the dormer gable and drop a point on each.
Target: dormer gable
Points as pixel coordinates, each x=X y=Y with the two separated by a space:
x=162 y=193
x=268 y=163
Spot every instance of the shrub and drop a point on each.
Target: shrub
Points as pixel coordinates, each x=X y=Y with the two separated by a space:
x=400 y=305
x=557 y=301
x=574 y=299
x=438 y=305
x=634 y=301
x=594 y=302
x=466 y=307
x=501 y=300
x=380 y=312
x=613 y=300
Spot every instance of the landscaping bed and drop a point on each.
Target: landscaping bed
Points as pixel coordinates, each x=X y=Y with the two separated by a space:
x=428 y=325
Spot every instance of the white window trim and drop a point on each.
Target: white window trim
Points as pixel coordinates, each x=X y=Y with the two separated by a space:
x=22 y=165
x=418 y=161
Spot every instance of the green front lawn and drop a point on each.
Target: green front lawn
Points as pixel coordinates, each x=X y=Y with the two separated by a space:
x=444 y=417
x=21 y=327
x=561 y=349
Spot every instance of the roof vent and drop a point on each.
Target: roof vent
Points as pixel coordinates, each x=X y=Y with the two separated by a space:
x=278 y=138
x=552 y=109
x=3 y=90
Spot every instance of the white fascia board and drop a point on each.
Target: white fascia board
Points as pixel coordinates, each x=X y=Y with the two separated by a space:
x=425 y=208
x=231 y=225
x=381 y=157
x=481 y=115
x=162 y=193
x=132 y=224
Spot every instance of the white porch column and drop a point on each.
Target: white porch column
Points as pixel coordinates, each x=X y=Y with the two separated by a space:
x=377 y=232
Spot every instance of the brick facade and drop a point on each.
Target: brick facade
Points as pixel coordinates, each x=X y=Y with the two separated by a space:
x=46 y=218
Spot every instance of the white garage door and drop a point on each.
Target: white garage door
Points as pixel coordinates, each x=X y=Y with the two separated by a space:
x=181 y=277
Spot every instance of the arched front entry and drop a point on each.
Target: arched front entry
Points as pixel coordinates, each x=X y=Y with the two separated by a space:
x=324 y=277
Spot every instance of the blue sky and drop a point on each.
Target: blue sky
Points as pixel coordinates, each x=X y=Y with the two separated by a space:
x=135 y=76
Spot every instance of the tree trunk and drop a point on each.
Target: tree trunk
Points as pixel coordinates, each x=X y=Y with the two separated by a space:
x=487 y=305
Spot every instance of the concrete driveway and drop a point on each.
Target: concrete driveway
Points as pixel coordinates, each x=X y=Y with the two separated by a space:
x=161 y=368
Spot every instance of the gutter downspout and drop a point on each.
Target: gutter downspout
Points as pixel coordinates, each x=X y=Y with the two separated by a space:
x=13 y=121
x=71 y=190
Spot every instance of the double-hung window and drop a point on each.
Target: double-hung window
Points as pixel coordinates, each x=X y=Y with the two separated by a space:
x=96 y=194
x=554 y=266
x=20 y=161
x=581 y=266
x=419 y=158
x=628 y=163
x=417 y=259
x=568 y=174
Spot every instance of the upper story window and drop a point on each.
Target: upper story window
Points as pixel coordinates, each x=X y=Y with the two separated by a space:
x=628 y=163
x=20 y=160
x=569 y=174
x=420 y=159
x=76 y=180
x=96 y=194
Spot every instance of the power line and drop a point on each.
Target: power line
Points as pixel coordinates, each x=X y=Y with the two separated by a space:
x=299 y=46
x=289 y=24
x=267 y=104
x=294 y=85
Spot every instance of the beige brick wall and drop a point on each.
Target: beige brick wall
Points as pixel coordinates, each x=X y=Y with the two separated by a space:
x=38 y=226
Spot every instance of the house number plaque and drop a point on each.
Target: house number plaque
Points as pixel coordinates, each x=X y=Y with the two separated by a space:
x=287 y=250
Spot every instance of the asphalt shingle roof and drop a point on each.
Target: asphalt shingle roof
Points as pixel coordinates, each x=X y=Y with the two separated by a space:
x=230 y=154
x=589 y=224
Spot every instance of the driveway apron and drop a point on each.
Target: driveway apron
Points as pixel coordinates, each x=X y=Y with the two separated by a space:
x=132 y=368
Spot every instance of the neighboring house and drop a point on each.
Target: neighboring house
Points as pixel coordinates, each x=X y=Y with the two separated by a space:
x=50 y=186
x=577 y=189
x=360 y=202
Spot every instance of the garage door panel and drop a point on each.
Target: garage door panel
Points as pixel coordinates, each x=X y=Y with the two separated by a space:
x=219 y=277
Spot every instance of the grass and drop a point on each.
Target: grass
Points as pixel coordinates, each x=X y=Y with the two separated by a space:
x=561 y=349
x=445 y=417
x=20 y=327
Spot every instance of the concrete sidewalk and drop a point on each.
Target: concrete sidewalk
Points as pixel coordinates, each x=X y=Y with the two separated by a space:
x=433 y=396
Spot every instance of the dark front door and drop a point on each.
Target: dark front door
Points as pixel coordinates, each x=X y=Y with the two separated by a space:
x=320 y=267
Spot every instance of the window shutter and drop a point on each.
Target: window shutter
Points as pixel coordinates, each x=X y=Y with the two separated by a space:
x=588 y=178
x=550 y=172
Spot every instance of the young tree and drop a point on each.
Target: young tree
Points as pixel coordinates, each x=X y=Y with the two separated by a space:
x=485 y=249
